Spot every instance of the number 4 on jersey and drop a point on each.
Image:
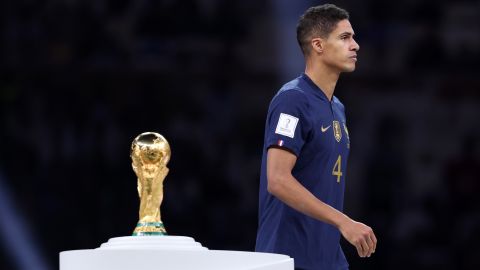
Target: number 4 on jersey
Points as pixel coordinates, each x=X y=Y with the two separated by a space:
x=337 y=168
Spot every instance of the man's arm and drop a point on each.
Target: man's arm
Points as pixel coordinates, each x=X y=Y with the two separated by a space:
x=286 y=188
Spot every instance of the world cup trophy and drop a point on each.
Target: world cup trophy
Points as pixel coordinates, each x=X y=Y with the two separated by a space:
x=150 y=153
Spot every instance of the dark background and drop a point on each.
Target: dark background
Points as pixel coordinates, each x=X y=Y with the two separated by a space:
x=80 y=79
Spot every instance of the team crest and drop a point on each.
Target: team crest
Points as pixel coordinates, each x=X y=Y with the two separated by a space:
x=337 y=131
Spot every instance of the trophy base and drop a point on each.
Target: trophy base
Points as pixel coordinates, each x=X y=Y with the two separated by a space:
x=149 y=229
x=167 y=253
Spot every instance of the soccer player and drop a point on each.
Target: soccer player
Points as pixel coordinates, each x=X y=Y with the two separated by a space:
x=305 y=153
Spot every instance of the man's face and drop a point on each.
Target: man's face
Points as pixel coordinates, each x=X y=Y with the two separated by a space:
x=340 y=49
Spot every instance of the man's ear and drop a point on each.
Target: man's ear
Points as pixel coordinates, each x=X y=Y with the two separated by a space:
x=317 y=45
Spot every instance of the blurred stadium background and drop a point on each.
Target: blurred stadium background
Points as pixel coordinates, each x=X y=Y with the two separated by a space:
x=80 y=79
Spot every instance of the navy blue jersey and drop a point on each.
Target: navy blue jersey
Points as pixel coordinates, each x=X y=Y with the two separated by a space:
x=303 y=121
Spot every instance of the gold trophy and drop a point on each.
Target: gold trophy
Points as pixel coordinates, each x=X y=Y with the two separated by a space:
x=150 y=154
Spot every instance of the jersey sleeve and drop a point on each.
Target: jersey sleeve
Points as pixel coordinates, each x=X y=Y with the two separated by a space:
x=288 y=124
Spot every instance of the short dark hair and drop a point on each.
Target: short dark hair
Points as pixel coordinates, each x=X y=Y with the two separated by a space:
x=318 y=21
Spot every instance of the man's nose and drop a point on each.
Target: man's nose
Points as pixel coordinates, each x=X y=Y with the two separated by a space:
x=355 y=46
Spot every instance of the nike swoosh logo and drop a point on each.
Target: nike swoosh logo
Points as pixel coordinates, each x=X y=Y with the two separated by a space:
x=325 y=129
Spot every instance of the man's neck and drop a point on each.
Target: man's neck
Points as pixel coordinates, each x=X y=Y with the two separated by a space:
x=324 y=78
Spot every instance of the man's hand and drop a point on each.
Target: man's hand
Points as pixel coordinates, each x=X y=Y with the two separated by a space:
x=359 y=235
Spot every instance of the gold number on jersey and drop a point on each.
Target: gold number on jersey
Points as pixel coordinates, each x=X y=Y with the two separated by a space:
x=337 y=168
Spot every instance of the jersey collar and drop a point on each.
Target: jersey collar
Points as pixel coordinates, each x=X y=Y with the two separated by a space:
x=314 y=89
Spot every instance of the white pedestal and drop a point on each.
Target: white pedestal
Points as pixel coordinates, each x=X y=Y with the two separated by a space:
x=167 y=253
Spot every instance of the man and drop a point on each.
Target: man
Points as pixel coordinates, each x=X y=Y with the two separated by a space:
x=305 y=153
